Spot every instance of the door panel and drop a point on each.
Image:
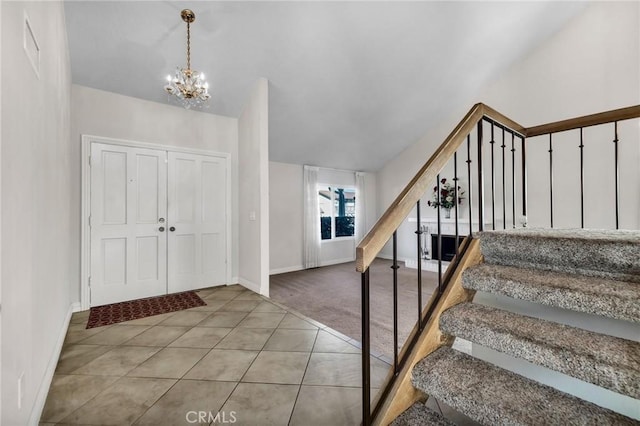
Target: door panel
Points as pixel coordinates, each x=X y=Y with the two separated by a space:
x=197 y=211
x=128 y=197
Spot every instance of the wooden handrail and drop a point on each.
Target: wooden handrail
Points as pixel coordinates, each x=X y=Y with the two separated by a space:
x=377 y=237
x=585 y=121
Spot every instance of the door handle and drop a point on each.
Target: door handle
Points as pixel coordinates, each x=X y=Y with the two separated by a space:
x=161 y=229
x=173 y=228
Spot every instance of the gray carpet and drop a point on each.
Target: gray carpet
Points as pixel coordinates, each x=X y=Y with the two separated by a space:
x=331 y=295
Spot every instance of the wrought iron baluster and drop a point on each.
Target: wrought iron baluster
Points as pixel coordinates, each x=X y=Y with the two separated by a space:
x=366 y=351
x=513 y=178
x=551 y=176
x=581 y=146
x=524 y=179
x=455 y=183
x=395 y=302
x=470 y=186
x=419 y=243
x=504 y=185
x=439 y=239
x=480 y=180
x=617 y=171
x=493 y=180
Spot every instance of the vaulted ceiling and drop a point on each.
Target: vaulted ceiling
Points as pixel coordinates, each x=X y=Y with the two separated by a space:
x=352 y=84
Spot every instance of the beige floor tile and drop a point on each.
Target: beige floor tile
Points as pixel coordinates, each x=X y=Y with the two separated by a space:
x=249 y=295
x=185 y=318
x=68 y=393
x=331 y=369
x=159 y=335
x=178 y=405
x=293 y=322
x=79 y=332
x=211 y=306
x=223 y=365
x=222 y=295
x=115 y=335
x=75 y=356
x=223 y=319
x=291 y=340
x=327 y=342
x=265 y=306
x=261 y=320
x=201 y=337
x=246 y=339
x=119 y=361
x=80 y=317
x=232 y=287
x=122 y=403
x=169 y=363
x=262 y=404
x=325 y=405
x=277 y=367
x=150 y=320
x=240 y=306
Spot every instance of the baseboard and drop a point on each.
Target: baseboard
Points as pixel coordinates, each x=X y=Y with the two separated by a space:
x=285 y=270
x=382 y=255
x=41 y=398
x=248 y=284
x=234 y=280
x=337 y=261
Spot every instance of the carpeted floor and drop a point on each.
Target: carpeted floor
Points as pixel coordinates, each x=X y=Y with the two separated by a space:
x=331 y=295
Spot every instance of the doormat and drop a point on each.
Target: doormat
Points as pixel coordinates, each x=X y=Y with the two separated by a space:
x=141 y=308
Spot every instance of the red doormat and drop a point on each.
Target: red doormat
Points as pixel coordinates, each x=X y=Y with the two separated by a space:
x=141 y=308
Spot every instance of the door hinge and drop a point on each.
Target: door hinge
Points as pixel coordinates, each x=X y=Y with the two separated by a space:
x=89 y=221
x=89 y=282
x=90 y=161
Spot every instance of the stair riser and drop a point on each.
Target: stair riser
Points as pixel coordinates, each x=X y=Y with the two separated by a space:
x=601 y=258
x=531 y=286
x=602 y=360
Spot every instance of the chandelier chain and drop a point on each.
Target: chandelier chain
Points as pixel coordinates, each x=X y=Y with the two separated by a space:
x=188 y=45
x=188 y=86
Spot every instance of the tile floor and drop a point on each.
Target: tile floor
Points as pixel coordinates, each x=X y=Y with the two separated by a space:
x=242 y=357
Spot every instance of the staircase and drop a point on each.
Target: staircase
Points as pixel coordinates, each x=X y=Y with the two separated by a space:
x=590 y=272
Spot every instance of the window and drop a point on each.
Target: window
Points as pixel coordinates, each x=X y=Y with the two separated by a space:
x=337 y=212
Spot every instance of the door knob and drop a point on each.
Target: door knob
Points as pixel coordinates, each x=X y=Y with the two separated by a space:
x=161 y=229
x=173 y=228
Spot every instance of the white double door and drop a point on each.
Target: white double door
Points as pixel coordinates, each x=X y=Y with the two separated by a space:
x=157 y=222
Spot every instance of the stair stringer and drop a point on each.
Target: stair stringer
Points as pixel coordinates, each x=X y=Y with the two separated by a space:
x=403 y=394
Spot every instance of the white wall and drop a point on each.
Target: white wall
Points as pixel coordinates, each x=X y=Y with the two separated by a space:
x=38 y=215
x=591 y=65
x=253 y=206
x=286 y=217
x=286 y=195
x=99 y=113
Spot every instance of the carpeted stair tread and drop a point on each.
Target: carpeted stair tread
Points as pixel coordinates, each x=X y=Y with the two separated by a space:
x=493 y=396
x=418 y=415
x=611 y=254
x=598 y=296
x=606 y=361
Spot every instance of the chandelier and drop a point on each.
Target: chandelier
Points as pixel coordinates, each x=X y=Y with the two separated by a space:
x=188 y=86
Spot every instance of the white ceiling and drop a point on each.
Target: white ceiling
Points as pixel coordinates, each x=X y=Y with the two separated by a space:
x=352 y=84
